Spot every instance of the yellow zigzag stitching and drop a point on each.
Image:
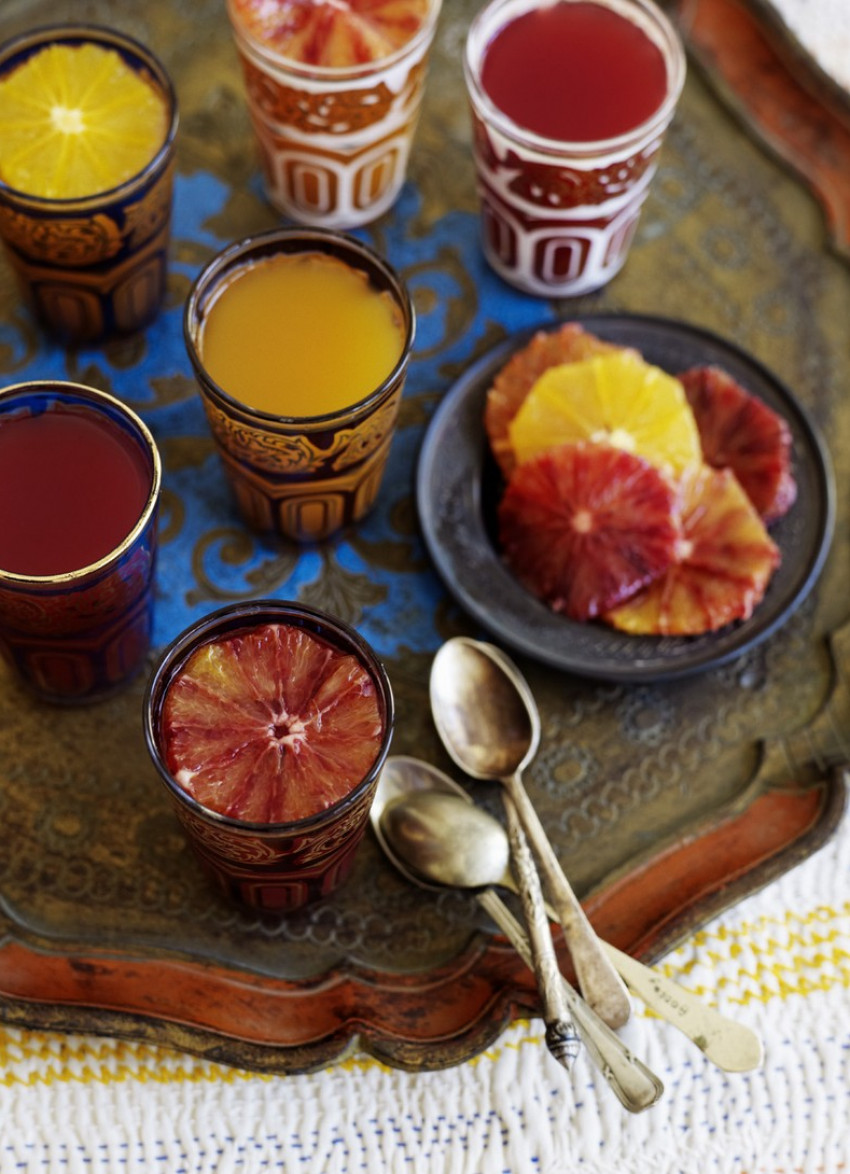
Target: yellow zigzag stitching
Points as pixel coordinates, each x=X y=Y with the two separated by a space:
x=813 y=961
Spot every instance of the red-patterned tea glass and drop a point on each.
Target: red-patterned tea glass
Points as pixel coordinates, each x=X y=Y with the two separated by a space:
x=96 y=265
x=334 y=141
x=562 y=180
x=79 y=494
x=276 y=866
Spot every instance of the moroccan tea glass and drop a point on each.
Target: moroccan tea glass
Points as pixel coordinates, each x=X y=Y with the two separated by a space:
x=82 y=635
x=271 y=866
x=302 y=478
x=94 y=266
x=558 y=218
x=334 y=142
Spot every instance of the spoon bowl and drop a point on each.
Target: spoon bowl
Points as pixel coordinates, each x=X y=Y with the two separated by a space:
x=488 y=720
x=732 y=1046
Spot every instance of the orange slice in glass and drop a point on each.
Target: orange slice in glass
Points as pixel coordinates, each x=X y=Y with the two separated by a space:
x=616 y=399
x=270 y=725
x=332 y=33
x=77 y=121
x=724 y=562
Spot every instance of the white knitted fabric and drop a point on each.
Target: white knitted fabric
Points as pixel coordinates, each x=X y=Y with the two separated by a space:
x=823 y=28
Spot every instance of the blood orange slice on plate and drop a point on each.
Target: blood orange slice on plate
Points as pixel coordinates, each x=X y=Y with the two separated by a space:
x=584 y=526
x=615 y=398
x=571 y=343
x=270 y=725
x=333 y=33
x=723 y=564
x=739 y=431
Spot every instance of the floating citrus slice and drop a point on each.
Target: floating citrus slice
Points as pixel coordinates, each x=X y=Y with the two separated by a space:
x=584 y=526
x=740 y=431
x=616 y=398
x=332 y=33
x=270 y=725
x=77 y=121
x=569 y=344
x=724 y=562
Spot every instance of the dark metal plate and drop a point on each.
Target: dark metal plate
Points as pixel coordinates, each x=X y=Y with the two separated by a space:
x=458 y=487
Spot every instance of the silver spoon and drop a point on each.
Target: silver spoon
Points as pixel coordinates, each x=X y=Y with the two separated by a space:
x=488 y=721
x=403 y=780
x=441 y=840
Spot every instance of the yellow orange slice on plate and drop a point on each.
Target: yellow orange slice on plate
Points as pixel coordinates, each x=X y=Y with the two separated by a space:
x=570 y=343
x=615 y=398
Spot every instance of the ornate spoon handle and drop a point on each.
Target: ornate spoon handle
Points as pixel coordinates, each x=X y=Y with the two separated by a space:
x=560 y=1037
x=635 y=1086
x=729 y=1045
x=599 y=981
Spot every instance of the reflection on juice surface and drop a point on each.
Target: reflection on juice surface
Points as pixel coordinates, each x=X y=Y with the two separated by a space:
x=301 y=335
x=574 y=72
x=77 y=120
x=72 y=487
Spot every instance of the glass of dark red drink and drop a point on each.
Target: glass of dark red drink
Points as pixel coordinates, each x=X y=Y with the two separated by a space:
x=269 y=723
x=79 y=493
x=570 y=101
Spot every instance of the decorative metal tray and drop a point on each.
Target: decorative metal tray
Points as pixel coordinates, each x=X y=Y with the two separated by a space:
x=666 y=801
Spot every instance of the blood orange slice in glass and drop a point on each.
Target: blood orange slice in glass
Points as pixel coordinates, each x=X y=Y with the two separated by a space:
x=332 y=33
x=739 y=431
x=77 y=121
x=270 y=725
x=584 y=526
x=616 y=398
x=723 y=564
x=569 y=344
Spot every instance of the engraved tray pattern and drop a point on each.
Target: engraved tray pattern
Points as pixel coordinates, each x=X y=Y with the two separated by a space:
x=667 y=801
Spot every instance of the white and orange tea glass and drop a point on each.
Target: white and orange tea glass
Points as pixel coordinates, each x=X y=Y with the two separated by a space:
x=334 y=92
x=570 y=101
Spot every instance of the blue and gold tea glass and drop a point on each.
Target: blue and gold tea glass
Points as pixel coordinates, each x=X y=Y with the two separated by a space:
x=301 y=477
x=94 y=266
x=82 y=635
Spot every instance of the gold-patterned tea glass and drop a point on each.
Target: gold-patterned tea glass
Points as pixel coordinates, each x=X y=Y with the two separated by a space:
x=94 y=266
x=334 y=143
x=303 y=478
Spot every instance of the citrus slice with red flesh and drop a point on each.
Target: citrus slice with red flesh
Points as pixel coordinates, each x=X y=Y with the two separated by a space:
x=570 y=343
x=739 y=431
x=270 y=725
x=77 y=121
x=615 y=398
x=584 y=526
x=724 y=562
x=337 y=34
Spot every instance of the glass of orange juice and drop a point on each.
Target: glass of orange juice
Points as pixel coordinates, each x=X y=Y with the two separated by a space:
x=300 y=340
x=89 y=120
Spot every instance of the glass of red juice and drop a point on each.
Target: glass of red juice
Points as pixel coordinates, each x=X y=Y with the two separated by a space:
x=569 y=100
x=79 y=492
x=268 y=723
